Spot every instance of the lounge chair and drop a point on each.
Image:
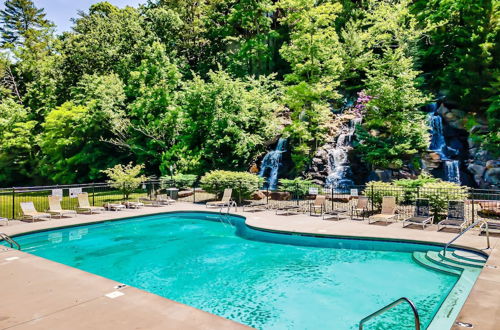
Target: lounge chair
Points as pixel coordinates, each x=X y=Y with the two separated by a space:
x=288 y=209
x=114 y=206
x=388 y=212
x=256 y=204
x=225 y=201
x=421 y=216
x=455 y=217
x=318 y=204
x=489 y=211
x=84 y=205
x=150 y=201
x=493 y=226
x=29 y=212
x=55 y=207
x=133 y=205
x=5 y=220
x=361 y=208
x=165 y=199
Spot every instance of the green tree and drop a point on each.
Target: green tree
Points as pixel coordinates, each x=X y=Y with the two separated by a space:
x=226 y=122
x=21 y=21
x=16 y=144
x=126 y=178
x=394 y=131
x=314 y=55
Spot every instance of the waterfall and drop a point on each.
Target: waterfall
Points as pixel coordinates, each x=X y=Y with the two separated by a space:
x=338 y=162
x=271 y=164
x=452 y=171
x=438 y=145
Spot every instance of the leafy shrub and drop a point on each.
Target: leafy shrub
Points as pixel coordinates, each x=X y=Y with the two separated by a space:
x=241 y=182
x=376 y=190
x=439 y=193
x=181 y=181
x=298 y=186
x=125 y=178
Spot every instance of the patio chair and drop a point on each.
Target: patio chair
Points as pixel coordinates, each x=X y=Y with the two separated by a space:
x=165 y=199
x=361 y=208
x=5 y=220
x=288 y=209
x=55 y=207
x=225 y=201
x=388 y=212
x=29 y=212
x=422 y=214
x=318 y=204
x=256 y=204
x=455 y=216
x=133 y=205
x=114 y=206
x=489 y=212
x=84 y=205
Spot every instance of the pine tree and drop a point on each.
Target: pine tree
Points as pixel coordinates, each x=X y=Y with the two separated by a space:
x=19 y=20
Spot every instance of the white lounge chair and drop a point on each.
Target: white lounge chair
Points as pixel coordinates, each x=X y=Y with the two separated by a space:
x=84 y=205
x=55 y=207
x=29 y=212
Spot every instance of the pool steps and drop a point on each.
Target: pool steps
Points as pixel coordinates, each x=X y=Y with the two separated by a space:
x=453 y=263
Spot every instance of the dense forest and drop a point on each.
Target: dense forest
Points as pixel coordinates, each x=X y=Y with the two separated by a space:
x=212 y=84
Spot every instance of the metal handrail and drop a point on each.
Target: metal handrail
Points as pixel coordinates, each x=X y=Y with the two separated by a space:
x=390 y=306
x=9 y=240
x=466 y=230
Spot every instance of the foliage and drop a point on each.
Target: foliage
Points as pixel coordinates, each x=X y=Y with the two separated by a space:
x=224 y=116
x=21 y=21
x=207 y=85
x=182 y=181
x=16 y=142
x=297 y=186
x=376 y=190
x=438 y=192
x=242 y=183
x=125 y=178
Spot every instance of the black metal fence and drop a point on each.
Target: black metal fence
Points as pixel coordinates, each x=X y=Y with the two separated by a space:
x=478 y=203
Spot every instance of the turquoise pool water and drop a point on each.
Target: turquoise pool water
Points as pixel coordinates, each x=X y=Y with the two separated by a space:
x=236 y=272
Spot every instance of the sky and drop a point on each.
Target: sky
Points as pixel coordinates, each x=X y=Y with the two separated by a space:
x=61 y=11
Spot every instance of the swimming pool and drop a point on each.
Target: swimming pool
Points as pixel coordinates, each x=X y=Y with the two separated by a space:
x=264 y=280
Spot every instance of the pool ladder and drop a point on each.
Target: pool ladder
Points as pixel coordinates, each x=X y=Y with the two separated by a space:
x=390 y=306
x=8 y=239
x=224 y=217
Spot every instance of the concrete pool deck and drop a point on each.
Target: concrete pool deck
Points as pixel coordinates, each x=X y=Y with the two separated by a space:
x=41 y=294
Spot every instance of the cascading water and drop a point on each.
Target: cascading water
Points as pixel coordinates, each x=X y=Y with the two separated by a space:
x=338 y=162
x=438 y=145
x=271 y=164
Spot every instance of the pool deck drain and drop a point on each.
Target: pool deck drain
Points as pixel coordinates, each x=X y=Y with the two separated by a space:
x=41 y=294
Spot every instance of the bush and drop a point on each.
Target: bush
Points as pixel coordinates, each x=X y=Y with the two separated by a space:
x=181 y=181
x=439 y=193
x=298 y=186
x=376 y=190
x=241 y=182
x=125 y=178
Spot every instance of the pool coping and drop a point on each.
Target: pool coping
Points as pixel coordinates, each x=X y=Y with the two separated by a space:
x=466 y=315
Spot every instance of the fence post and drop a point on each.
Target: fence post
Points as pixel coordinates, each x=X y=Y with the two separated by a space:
x=194 y=192
x=332 y=199
x=473 y=215
x=93 y=194
x=297 y=193
x=418 y=192
x=239 y=194
x=373 y=198
x=13 y=203
x=267 y=195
